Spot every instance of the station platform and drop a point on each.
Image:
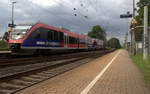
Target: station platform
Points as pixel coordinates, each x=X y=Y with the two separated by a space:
x=114 y=73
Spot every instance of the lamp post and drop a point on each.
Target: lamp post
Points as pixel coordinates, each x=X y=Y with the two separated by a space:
x=13 y=12
x=133 y=31
x=133 y=8
x=12 y=25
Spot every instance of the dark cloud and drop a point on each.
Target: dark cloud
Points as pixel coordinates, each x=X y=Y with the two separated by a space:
x=105 y=13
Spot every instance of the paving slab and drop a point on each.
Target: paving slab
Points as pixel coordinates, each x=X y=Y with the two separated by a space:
x=121 y=77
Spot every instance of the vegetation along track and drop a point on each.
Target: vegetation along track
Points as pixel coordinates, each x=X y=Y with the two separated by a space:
x=16 y=78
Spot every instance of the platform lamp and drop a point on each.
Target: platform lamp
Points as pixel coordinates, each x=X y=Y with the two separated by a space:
x=12 y=25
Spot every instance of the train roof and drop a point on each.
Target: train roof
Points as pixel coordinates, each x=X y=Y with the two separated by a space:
x=73 y=34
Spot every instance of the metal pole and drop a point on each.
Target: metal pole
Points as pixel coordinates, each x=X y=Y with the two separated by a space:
x=145 y=54
x=133 y=32
x=126 y=41
x=13 y=12
x=131 y=41
x=127 y=36
x=133 y=8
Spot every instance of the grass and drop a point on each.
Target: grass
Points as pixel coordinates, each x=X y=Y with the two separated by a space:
x=144 y=65
x=4 y=46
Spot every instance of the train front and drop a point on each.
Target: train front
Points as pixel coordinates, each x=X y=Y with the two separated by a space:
x=17 y=36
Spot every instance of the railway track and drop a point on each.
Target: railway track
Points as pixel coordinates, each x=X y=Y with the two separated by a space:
x=18 y=77
x=4 y=54
x=31 y=60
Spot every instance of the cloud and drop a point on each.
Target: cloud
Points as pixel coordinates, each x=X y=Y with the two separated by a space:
x=61 y=13
x=46 y=3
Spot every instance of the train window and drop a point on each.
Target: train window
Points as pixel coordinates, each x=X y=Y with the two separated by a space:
x=43 y=33
x=72 y=40
x=50 y=34
x=61 y=36
x=77 y=40
x=82 y=41
x=56 y=36
x=35 y=34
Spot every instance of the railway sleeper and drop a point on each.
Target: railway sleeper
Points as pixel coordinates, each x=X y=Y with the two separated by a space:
x=30 y=79
x=38 y=77
x=9 y=86
x=5 y=91
x=20 y=82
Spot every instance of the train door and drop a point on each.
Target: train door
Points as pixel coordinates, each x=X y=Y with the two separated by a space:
x=65 y=40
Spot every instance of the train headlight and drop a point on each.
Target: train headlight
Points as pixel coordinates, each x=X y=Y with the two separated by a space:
x=19 y=37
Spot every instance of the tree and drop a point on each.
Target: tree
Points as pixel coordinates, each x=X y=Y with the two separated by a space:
x=97 y=32
x=3 y=45
x=6 y=36
x=140 y=11
x=114 y=43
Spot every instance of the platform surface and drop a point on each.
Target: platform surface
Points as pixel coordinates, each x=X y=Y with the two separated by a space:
x=114 y=73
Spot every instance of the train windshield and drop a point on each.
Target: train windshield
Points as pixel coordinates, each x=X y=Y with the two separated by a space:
x=20 y=31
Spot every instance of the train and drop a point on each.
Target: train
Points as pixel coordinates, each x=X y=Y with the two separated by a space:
x=41 y=38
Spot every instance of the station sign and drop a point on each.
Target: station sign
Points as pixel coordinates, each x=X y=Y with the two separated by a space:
x=126 y=16
x=11 y=25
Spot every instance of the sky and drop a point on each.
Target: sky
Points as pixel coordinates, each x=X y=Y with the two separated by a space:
x=60 y=13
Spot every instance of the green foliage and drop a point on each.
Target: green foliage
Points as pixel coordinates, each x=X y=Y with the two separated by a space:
x=6 y=36
x=97 y=32
x=140 y=18
x=114 y=43
x=140 y=15
x=144 y=65
x=3 y=45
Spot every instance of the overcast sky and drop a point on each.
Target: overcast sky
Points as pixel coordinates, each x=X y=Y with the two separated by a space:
x=61 y=13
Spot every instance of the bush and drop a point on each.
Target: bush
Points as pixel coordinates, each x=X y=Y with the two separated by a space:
x=114 y=43
x=3 y=46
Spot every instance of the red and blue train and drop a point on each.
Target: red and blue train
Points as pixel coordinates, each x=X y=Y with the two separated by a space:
x=43 y=38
